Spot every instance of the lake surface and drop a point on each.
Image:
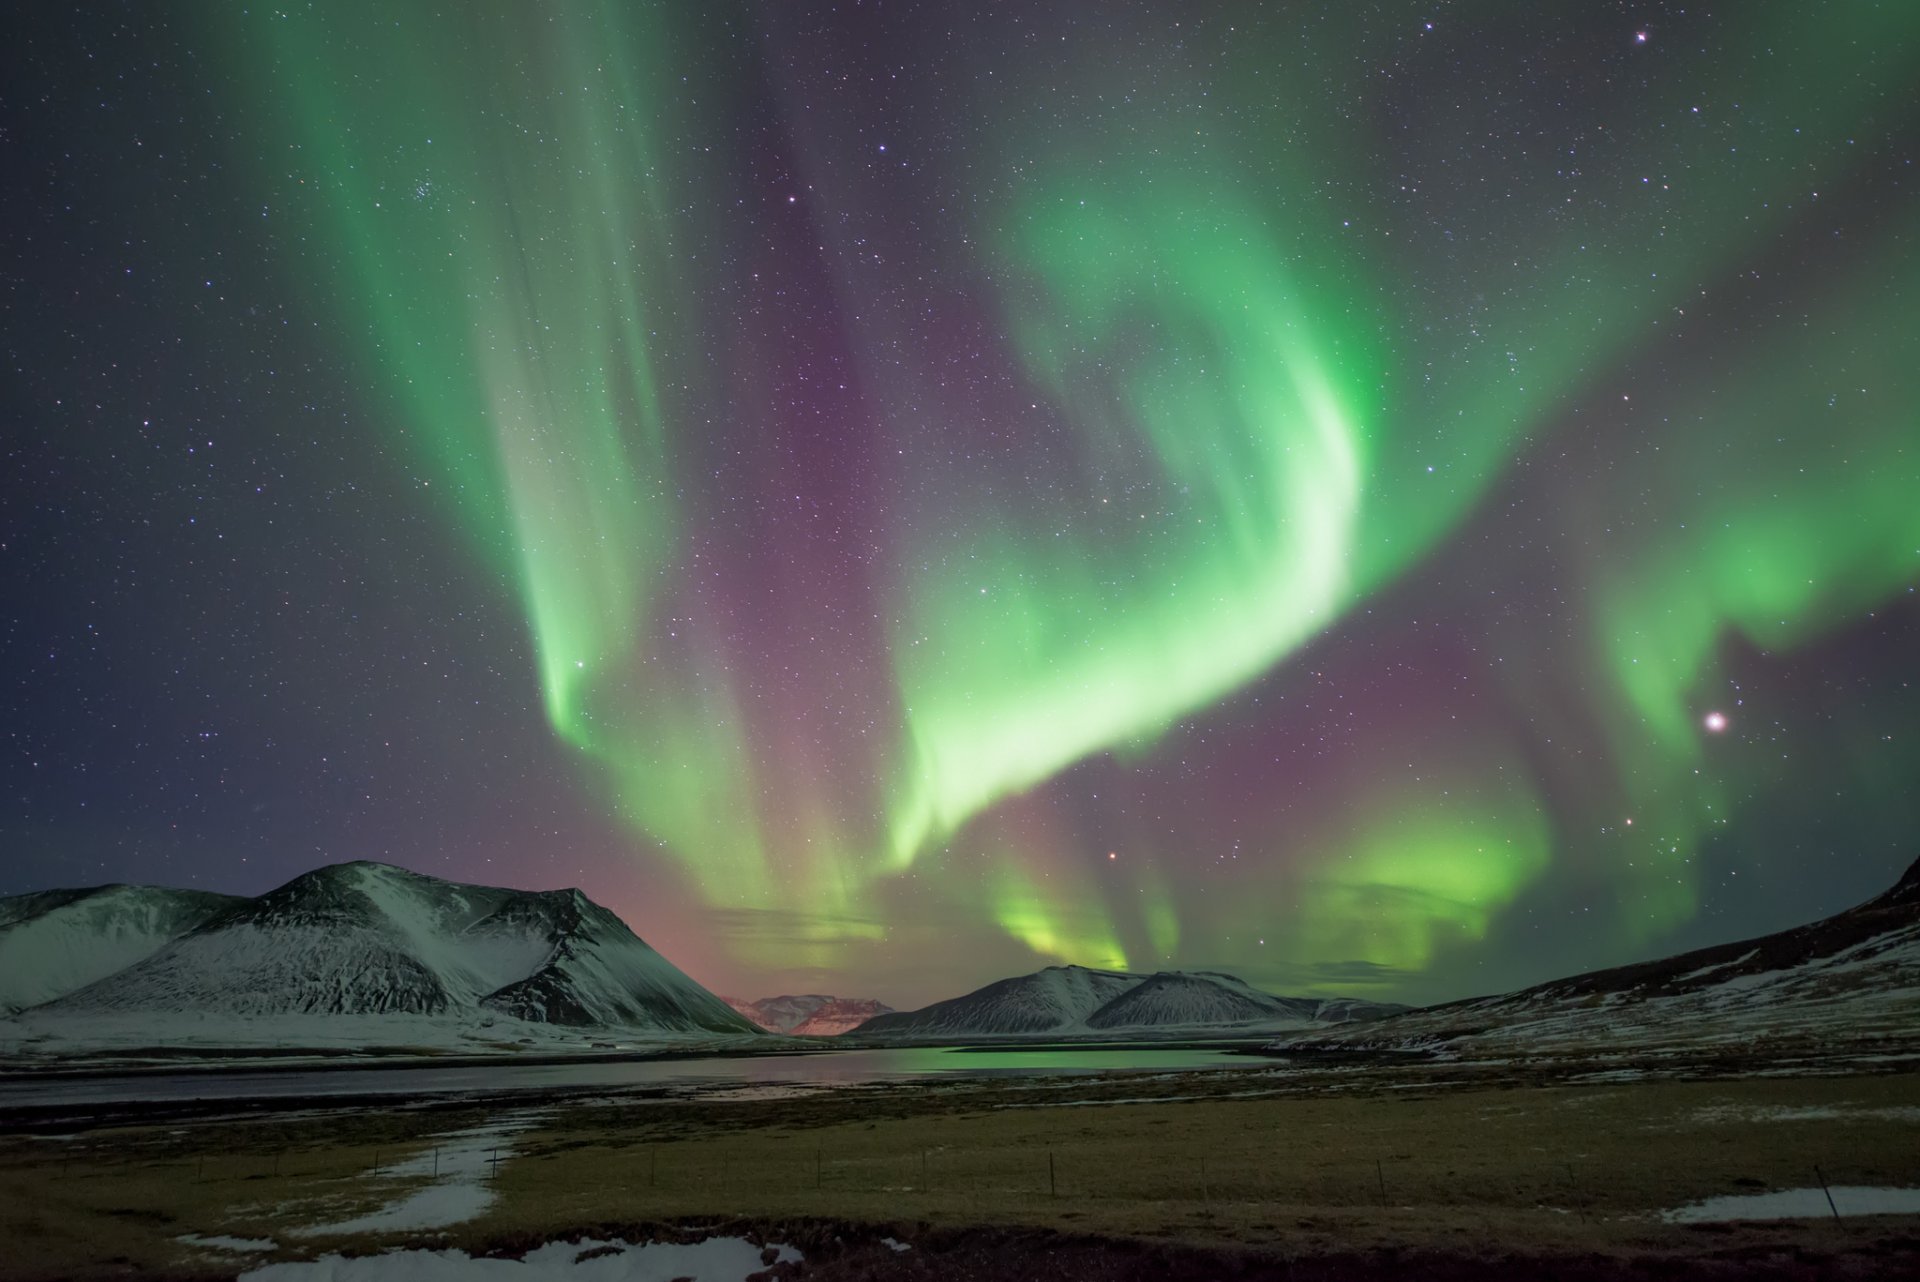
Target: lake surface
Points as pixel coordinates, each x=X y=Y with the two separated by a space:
x=691 y=1076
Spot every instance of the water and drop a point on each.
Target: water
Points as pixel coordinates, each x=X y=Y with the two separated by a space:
x=1799 y=1204
x=818 y=1069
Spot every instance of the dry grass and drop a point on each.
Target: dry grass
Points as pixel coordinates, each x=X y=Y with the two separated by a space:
x=1540 y=1170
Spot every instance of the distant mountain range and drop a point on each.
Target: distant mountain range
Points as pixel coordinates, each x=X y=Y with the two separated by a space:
x=364 y=954
x=809 y=1014
x=1074 y=1000
x=342 y=942
x=1851 y=979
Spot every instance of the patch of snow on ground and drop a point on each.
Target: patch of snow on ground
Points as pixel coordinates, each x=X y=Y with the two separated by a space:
x=1704 y=971
x=1611 y=1075
x=895 y=1246
x=1723 y=1114
x=1744 y=983
x=1798 y=1204
x=459 y=1167
x=217 y=1242
x=720 y=1259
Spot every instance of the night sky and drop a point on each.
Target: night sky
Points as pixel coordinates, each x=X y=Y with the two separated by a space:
x=1385 y=499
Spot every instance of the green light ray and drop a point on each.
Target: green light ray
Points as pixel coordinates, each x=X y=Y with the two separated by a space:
x=1819 y=521
x=1303 y=468
x=1415 y=872
x=1056 y=915
x=499 y=203
x=1256 y=461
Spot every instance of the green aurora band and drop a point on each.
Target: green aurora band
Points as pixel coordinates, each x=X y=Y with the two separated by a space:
x=1266 y=424
x=508 y=260
x=1256 y=458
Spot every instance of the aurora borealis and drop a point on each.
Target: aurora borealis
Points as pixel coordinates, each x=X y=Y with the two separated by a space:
x=891 y=496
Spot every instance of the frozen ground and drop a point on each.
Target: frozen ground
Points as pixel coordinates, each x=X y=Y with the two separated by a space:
x=222 y=1242
x=1720 y=1115
x=460 y=1167
x=721 y=1259
x=51 y=1038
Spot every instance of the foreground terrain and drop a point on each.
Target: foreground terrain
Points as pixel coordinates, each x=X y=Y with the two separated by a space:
x=1356 y=1169
x=1750 y=1110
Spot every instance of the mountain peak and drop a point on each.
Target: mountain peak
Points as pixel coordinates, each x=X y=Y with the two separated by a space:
x=1907 y=889
x=809 y=1014
x=1069 y=1000
x=55 y=941
x=369 y=938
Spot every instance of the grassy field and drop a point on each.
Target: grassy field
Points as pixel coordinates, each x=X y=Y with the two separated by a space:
x=1243 y=1163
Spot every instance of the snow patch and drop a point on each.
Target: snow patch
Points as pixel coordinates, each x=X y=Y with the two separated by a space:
x=1695 y=975
x=460 y=1166
x=1725 y=1114
x=219 y=1242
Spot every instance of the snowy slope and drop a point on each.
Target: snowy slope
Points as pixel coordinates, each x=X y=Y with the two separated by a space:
x=1070 y=1000
x=56 y=941
x=365 y=939
x=1850 y=978
x=809 y=1014
x=1059 y=997
x=601 y=973
x=1355 y=1010
x=1207 y=998
x=778 y=1014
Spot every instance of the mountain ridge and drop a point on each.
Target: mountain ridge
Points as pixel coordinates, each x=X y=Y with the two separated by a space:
x=371 y=939
x=55 y=941
x=809 y=1014
x=1078 y=1000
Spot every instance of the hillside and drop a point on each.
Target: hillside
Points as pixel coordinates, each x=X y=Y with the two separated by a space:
x=1852 y=978
x=366 y=950
x=56 y=941
x=1074 y=1000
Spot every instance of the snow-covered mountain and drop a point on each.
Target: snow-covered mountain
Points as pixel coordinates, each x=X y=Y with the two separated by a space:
x=809 y=1014
x=841 y=1015
x=1209 y=997
x=1050 y=1000
x=1852 y=978
x=55 y=941
x=1068 y=1000
x=368 y=939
